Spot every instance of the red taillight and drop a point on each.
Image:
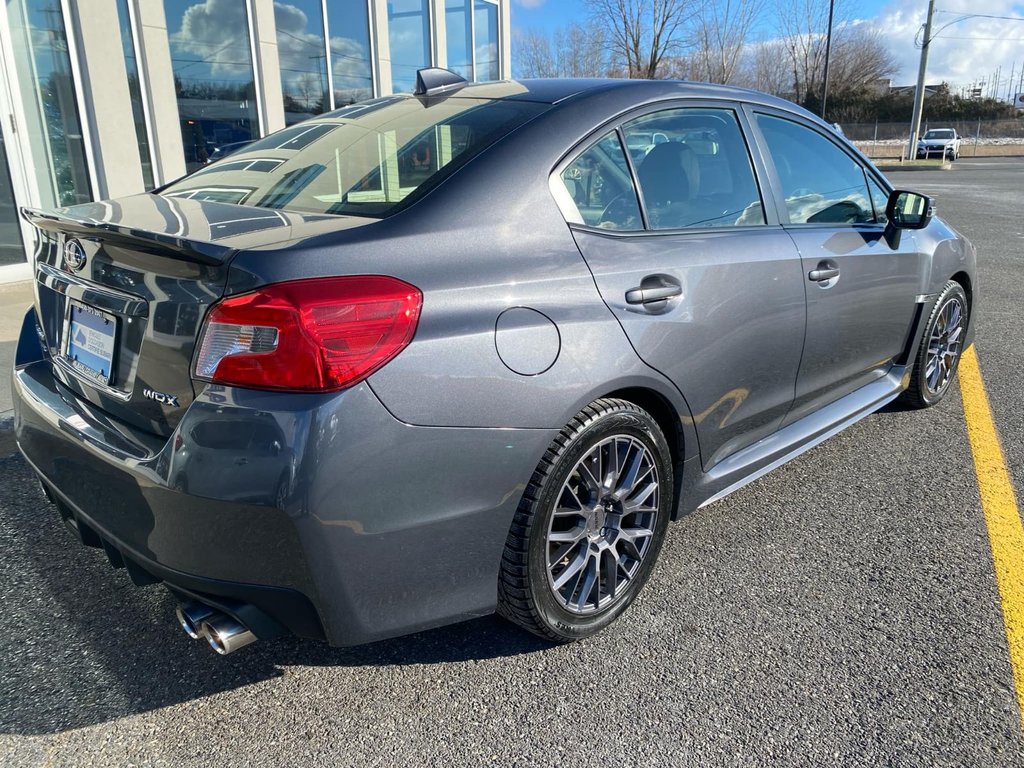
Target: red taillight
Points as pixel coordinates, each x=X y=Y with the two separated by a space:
x=308 y=335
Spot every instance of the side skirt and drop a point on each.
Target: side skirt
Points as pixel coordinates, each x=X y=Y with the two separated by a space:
x=762 y=457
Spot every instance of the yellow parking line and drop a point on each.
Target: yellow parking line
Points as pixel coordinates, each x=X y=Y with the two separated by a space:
x=1005 y=532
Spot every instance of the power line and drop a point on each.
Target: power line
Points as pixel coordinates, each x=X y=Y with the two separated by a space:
x=982 y=16
x=968 y=37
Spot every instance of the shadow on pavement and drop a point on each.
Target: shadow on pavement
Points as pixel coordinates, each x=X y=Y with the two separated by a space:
x=81 y=645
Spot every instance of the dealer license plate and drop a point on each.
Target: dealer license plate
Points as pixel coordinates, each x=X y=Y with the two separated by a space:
x=90 y=342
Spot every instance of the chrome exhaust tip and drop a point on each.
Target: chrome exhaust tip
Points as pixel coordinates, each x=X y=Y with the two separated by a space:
x=225 y=635
x=191 y=617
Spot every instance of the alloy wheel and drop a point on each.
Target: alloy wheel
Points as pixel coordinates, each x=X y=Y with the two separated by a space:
x=603 y=524
x=944 y=346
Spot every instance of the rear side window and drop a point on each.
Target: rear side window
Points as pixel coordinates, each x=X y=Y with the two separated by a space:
x=365 y=161
x=821 y=183
x=694 y=169
x=600 y=185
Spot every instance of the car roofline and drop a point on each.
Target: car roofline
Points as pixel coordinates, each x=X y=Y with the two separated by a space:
x=555 y=91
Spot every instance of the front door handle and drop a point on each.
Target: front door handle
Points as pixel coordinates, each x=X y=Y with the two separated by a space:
x=652 y=289
x=824 y=272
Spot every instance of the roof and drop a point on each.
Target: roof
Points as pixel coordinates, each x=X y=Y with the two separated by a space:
x=554 y=90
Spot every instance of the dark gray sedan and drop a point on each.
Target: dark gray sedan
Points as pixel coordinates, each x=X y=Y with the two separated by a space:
x=471 y=349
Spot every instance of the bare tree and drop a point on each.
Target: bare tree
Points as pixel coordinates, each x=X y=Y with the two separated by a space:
x=580 y=51
x=641 y=33
x=575 y=50
x=533 y=55
x=720 y=33
x=802 y=25
x=765 y=67
x=309 y=91
x=859 y=58
x=859 y=55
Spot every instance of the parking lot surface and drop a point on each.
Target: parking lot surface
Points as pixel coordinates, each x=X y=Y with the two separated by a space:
x=842 y=610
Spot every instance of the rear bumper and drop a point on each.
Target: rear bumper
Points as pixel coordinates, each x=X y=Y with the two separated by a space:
x=356 y=527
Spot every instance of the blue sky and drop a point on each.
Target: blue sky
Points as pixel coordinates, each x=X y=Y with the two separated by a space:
x=966 y=51
x=550 y=14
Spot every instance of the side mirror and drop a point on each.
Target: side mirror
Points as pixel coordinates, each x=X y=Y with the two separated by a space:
x=909 y=210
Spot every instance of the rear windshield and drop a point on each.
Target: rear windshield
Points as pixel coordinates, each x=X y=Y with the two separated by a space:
x=945 y=134
x=368 y=159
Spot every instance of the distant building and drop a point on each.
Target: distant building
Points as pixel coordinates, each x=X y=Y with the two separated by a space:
x=929 y=90
x=105 y=98
x=880 y=87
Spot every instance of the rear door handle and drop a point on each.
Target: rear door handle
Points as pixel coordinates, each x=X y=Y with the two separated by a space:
x=653 y=288
x=823 y=273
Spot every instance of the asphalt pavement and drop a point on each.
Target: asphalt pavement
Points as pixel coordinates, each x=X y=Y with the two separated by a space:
x=840 y=611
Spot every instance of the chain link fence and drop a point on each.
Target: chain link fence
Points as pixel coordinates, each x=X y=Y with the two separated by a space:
x=978 y=137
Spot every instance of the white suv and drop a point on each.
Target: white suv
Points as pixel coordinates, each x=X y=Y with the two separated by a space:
x=939 y=141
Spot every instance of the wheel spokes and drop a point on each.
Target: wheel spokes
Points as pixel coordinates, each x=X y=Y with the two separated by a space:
x=944 y=346
x=602 y=527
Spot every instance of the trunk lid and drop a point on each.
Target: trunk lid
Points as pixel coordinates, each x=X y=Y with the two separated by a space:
x=122 y=288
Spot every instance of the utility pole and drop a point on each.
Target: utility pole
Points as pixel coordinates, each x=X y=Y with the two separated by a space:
x=915 y=125
x=828 y=53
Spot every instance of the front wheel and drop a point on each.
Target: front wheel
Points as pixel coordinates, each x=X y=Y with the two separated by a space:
x=941 y=345
x=590 y=525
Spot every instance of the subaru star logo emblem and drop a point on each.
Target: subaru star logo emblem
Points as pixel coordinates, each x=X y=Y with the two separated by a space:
x=74 y=255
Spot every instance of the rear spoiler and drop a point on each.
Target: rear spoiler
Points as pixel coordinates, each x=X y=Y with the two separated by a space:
x=197 y=251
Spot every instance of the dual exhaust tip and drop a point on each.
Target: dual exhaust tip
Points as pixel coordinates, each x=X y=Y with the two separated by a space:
x=224 y=634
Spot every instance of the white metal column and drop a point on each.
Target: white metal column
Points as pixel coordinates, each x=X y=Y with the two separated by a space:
x=266 y=65
x=104 y=102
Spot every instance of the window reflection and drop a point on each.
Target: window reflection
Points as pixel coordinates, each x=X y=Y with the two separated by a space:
x=361 y=161
x=40 y=50
x=599 y=183
x=459 y=33
x=409 y=35
x=11 y=250
x=135 y=93
x=486 y=20
x=694 y=169
x=348 y=24
x=213 y=75
x=303 y=58
x=822 y=184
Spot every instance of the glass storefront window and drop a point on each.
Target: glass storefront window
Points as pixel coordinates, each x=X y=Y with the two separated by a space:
x=11 y=249
x=348 y=24
x=47 y=90
x=459 y=32
x=303 y=58
x=131 y=66
x=409 y=35
x=213 y=76
x=486 y=21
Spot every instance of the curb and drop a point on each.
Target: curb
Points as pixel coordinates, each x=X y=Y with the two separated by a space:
x=903 y=168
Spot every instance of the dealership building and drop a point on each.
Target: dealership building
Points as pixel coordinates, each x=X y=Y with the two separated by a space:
x=103 y=98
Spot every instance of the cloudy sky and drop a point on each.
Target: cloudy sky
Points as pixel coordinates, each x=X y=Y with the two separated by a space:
x=964 y=52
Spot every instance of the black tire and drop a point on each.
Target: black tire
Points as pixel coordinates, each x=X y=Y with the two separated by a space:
x=920 y=393
x=526 y=594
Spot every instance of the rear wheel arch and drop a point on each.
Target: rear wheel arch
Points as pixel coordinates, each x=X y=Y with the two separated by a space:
x=671 y=423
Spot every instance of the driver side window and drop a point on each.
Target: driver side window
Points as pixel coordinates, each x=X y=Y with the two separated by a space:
x=821 y=183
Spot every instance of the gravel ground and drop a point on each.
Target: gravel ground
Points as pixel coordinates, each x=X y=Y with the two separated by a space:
x=840 y=611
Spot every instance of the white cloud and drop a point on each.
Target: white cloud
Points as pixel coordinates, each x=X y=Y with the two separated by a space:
x=217 y=33
x=962 y=52
x=530 y=3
